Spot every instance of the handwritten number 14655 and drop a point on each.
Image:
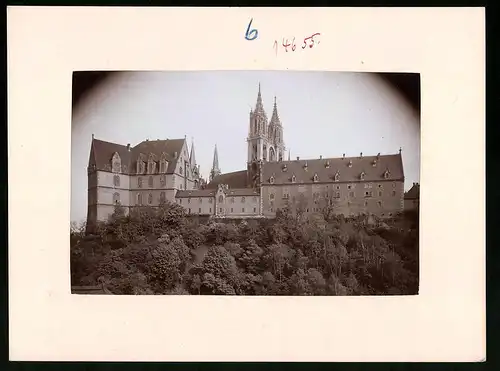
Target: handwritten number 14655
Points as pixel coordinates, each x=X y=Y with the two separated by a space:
x=287 y=45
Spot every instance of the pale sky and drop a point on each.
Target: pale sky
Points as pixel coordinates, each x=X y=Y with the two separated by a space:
x=323 y=113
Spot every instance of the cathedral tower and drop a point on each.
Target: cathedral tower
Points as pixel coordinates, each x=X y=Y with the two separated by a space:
x=257 y=133
x=265 y=139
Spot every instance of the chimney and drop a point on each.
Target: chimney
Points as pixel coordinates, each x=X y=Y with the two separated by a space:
x=128 y=147
x=361 y=155
x=320 y=157
x=343 y=156
x=92 y=136
x=298 y=158
x=147 y=139
x=378 y=155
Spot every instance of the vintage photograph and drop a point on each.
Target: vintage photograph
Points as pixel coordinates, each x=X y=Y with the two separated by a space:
x=280 y=183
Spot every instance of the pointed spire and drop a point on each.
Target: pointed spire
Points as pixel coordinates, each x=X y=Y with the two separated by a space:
x=275 y=119
x=258 y=106
x=192 y=158
x=215 y=166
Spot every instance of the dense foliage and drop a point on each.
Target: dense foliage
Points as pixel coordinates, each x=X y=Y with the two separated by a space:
x=164 y=251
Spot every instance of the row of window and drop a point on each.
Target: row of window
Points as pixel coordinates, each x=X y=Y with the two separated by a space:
x=163 y=181
x=318 y=209
x=150 y=198
x=316 y=195
x=200 y=200
x=336 y=176
x=221 y=210
x=221 y=199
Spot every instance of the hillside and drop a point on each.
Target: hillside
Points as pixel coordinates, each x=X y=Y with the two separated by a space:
x=163 y=251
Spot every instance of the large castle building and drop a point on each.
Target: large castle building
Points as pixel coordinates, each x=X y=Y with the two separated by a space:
x=155 y=171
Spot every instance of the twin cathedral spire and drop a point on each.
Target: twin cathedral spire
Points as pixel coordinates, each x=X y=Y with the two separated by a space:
x=265 y=137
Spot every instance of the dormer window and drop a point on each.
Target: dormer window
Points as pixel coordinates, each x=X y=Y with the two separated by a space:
x=116 y=163
x=293 y=179
x=386 y=174
x=163 y=163
x=271 y=180
x=349 y=163
x=315 y=178
x=151 y=164
x=336 y=177
x=284 y=168
x=141 y=164
x=374 y=163
x=327 y=164
x=362 y=175
x=305 y=166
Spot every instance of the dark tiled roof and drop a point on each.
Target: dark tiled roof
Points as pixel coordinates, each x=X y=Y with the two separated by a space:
x=413 y=193
x=103 y=152
x=392 y=163
x=237 y=179
x=242 y=192
x=157 y=147
x=196 y=193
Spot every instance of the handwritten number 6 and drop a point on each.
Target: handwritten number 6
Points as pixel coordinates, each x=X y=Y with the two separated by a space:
x=249 y=32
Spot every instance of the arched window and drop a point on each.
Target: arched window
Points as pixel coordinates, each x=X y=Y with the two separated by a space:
x=139 y=199
x=232 y=200
x=264 y=154
x=221 y=198
x=162 y=197
x=150 y=199
x=150 y=182
x=139 y=182
x=163 y=180
x=337 y=176
x=116 y=163
x=116 y=198
x=116 y=180
x=271 y=180
x=272 y=154
x=242 y=199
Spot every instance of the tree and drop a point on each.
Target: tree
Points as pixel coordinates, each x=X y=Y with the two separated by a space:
x=219 y=270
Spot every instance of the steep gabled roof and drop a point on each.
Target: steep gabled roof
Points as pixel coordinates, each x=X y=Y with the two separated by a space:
x=157 y=147
x=326 y=168
x=103 y=152
x=413 y=193
x=237 y=179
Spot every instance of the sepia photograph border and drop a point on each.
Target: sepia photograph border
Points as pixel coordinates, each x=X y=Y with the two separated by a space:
x=445 y=322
